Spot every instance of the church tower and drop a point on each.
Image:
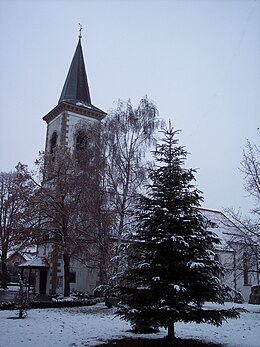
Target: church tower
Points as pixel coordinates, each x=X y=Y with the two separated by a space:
x=74 y=107
x=66 y=124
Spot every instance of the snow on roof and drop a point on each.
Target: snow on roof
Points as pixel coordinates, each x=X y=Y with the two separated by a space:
x=28 y=256
x=25 y=255
x=37 y=262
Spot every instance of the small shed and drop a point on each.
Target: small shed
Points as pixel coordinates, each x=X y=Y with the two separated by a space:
x=38 y=263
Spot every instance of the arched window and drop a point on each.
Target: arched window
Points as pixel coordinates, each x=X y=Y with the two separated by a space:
x=81 y=140
x=53 y=141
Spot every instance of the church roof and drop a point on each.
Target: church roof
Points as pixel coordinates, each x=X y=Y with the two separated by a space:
x=76 y=88
x=224 y=228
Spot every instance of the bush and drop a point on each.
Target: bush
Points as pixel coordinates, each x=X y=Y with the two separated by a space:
x=53 y=304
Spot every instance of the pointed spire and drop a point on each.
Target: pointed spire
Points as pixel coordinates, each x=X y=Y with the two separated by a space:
x=76 y=88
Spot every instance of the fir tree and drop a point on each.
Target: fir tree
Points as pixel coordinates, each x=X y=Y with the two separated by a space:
x=172 y=271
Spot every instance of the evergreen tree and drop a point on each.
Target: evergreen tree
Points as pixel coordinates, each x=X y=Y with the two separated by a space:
x=172 y=271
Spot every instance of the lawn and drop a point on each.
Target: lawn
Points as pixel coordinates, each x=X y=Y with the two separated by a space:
x=96 y=325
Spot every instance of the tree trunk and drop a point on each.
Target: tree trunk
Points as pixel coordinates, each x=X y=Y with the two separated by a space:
x=4 y=272
x=66 y=260
x=170 y=329
x=102 y=269
x=102 y=243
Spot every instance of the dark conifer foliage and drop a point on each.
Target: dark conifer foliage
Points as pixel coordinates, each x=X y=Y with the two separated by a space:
x=172 y=271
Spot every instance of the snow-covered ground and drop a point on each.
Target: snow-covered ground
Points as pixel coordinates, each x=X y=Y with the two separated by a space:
x=89 y=326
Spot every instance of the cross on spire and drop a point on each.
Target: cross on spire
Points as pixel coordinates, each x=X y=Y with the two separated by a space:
x=80 y=29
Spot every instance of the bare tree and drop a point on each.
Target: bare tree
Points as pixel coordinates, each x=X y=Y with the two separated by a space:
x=68 y=201
x=247 y=237
x=128 y=133
x=16 y=223
x=92 y=159
x=101 y=251
x=250 y=166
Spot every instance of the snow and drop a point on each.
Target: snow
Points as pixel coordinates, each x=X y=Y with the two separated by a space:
x=12 y=287
x=195 y=265
x=89 y=326
x=178 y=288
x=39 y=262
x=83 y=104
x=143 y=265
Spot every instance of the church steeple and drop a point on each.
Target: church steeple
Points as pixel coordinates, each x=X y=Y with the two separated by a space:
x=76 y=88
x=75 y=95
x=76 y=124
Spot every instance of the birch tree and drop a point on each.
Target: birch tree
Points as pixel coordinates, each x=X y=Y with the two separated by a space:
x=128 y=134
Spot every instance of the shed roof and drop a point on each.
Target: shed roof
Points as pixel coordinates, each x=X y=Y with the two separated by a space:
x=35 y=263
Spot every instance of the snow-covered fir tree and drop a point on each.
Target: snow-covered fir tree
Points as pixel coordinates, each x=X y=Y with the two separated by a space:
x=172 y=271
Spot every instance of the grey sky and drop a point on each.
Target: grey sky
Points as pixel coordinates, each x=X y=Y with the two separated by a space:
x=198 y=60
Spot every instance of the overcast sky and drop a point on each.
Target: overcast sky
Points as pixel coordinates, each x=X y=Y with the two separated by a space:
x=199 y=61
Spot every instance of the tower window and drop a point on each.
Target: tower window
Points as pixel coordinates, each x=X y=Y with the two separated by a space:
x=53 y=141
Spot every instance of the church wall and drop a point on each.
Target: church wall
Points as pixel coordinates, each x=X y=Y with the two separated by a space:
x=226 y=259
x=86 y=278
x=231 y=252
x=244 y=277
x=234 y=274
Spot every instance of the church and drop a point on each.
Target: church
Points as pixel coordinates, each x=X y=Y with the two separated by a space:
x=64 y=122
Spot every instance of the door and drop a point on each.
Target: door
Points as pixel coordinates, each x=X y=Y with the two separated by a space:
x=43 y=281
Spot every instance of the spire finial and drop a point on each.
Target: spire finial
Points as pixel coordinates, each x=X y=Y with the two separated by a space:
x=80 y=29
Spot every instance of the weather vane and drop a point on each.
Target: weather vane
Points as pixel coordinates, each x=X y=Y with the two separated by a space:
x=80 y=29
